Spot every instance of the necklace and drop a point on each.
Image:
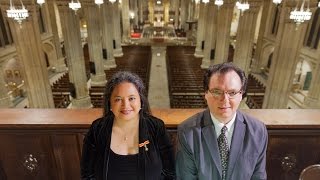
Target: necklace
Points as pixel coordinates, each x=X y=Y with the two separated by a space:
x=124 y=135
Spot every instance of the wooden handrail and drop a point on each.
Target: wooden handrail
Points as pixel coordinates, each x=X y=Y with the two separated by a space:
x=66 y=118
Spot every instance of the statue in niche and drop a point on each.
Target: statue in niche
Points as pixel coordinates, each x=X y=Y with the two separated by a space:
x=9 y=74
x=17 y=74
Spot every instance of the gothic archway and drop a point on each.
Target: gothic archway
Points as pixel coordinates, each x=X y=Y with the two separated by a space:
x=50 y=54
x=266 y=58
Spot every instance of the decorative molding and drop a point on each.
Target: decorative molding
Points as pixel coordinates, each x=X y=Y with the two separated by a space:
x=30 y=162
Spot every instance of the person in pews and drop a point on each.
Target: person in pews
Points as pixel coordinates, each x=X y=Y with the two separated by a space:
x=127 y=143
x=221 y=142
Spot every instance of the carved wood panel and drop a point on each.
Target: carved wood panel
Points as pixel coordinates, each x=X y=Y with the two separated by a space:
x=173 y=136
x=26 y=156
x=67 y=153
x=290 y=151
x=55 y=154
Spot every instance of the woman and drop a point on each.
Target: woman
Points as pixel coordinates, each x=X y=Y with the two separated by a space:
x=127 y=143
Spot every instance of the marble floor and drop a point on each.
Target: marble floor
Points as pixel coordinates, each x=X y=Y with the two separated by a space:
x=158 y=95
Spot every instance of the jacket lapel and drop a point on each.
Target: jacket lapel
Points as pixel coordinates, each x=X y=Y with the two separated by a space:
x=210 y=137
x=105 y=140
x=237 y=143
x=143 y=136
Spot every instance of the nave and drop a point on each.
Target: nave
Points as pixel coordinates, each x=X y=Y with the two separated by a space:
x=183 y=77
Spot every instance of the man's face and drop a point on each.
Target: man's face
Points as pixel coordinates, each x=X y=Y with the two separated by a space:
x=224 y=95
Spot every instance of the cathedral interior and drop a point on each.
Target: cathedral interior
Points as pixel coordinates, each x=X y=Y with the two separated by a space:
x=60 y=57
x=59 y=54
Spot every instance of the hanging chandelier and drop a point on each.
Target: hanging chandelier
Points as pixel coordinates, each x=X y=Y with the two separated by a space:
x=40 y=2
x=17 y=14
x=218 y=2
x=74 y=5
x=242 y=6
x=205 y=1
x=112 y=1
x=299 y=16
x=276 y=1
x=319 y=4
x=98 y=2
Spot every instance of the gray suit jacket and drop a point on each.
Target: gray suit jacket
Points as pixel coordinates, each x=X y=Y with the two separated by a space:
x=198 y=153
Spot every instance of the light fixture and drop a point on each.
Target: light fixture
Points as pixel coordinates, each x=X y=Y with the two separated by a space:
x=299 y=16
x=205 y=1
x=40 y=2
x=98 y=2
x=112 y=1
x=242 y=6
x=158 y=2
x=276 y=1
x=319 y=4
x=218 y=2
x=197 y=1
x=17 y=14
x=75 y=5
x=131 y=15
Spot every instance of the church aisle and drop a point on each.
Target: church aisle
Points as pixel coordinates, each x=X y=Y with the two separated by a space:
x=158 y=85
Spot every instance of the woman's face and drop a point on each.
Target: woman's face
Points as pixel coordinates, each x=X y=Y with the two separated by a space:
x=125 y=102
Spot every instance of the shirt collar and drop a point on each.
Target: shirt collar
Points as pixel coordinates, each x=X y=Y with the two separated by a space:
x=218 y=125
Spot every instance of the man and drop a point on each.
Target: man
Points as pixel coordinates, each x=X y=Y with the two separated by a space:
x=222 y=143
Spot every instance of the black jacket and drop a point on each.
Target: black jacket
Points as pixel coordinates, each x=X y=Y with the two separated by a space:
x=158 y=163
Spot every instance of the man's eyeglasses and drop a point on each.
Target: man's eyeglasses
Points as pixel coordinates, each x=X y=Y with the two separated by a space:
x=219 y=93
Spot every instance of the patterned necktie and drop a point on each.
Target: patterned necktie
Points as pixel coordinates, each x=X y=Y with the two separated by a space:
x=224 y=151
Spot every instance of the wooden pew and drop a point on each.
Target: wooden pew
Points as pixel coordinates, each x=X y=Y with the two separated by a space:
x=185 y=76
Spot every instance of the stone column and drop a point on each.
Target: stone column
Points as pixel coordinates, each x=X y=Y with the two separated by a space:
x=5 y=101
x=75 y=59
x=245 y=37
x=125 y=21
x=95 y=44
x=135 y=11
x=285 y=57
x=210 y=35
x=225 y=13
x=201 y=29
x=28 y=46
x=176 y=14
x=117 y=30
x=196 y=10
x=107 y=34
x=256 y=64
x=190 y=10
x=140 y=6
x=59 y=63
x=151 y=11
x=46 y=17
x=312 y=101
x=183 y=14
x=166 y=5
